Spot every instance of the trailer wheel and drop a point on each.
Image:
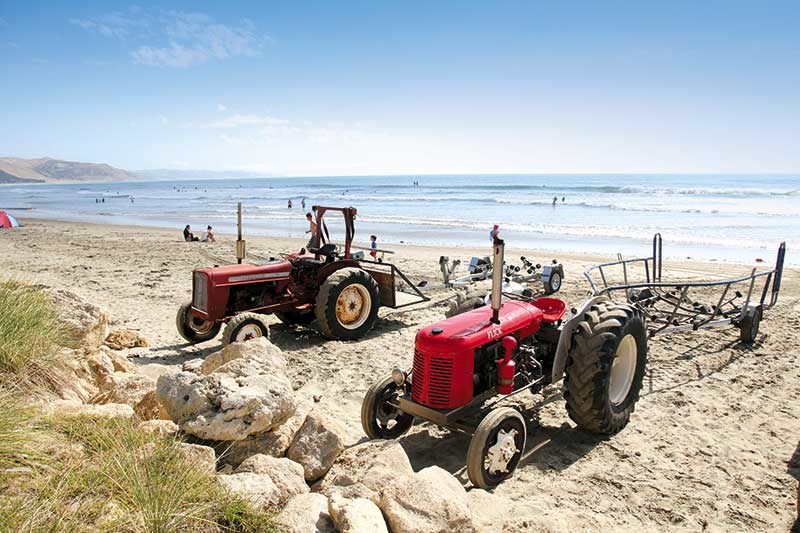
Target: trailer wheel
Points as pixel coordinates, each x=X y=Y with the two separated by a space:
x=379 y=419
x=244 y=327
x=605 y=367
x=293 y=318
x=748 y=327
x=553 y=284
x=496 y=447
x=347 y=304
x=193 y=329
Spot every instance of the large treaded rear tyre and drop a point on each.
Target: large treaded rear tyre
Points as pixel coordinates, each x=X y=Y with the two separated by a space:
x=496 y=447
x=347 y=304
x=379 y=419
x=192 y=329
x=244 y=327
x=605 y=367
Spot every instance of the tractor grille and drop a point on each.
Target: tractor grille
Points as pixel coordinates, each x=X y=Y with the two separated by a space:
x=431 y=380
x=200 y=291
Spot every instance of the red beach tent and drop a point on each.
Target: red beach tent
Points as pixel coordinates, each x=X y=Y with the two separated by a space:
x=8 y=221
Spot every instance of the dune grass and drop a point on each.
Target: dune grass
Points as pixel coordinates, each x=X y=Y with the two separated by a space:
x=29 y=328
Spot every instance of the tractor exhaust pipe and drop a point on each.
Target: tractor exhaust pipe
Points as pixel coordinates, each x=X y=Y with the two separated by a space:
x=497 y=278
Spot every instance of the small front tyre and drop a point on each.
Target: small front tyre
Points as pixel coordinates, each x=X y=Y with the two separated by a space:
x=379 y=418
x=244 y=327
x=748 y=327
x=192 y=328
x=496 y=447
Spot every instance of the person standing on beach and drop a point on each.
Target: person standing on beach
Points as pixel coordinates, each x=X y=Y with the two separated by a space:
x=494 y=232
x=312 y=229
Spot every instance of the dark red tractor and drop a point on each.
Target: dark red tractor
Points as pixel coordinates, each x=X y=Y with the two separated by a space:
x=326 y=282
x=465 y=365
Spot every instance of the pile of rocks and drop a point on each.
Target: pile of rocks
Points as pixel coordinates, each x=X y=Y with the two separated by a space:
x=280 y=449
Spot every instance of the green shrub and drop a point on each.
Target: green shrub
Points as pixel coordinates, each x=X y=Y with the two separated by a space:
x=18 y=432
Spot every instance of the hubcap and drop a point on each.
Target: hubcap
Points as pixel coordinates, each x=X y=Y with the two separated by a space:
x=200 y=326
x=622 y=370
x=555 y=281
x=501 y=453
x=248 y=332
x=353 y=306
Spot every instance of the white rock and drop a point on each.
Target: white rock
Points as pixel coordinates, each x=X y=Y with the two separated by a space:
x=430 y=501
x=259 y=351
x=84 y=325
x=305 y=513
x=124 y=387
x=317 y=444
x=370 y=463
x=285 y=473
x=201 y=457
x=74 y=409
x=258 y=489
x=162 y=428
x=356 y=515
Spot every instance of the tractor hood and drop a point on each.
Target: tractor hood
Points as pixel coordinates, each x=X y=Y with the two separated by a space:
x=275 y=270
x=474 y=328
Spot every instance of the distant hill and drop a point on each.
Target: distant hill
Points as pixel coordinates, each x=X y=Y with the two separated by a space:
x=46 y=169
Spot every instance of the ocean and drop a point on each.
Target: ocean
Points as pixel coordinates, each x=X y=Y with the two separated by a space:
x=725 y=217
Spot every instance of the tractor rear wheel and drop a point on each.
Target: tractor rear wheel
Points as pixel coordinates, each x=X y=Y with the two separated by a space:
x=347 y=304
x=244 y=327
x=379 y=418
x=553 y=284
x=748 y=327
x=605 y=367
x=296 y=318
x=192 y=328
x=496 y=447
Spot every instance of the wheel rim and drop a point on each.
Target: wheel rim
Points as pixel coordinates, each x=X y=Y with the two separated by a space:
x=201 y=327
x=248 y=332
x=353 y=306
x=555 y=281
x=622 y=370
x=387 y=417
x=500 y=454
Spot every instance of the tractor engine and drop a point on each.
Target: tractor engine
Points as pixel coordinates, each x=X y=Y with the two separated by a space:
x=459 y=358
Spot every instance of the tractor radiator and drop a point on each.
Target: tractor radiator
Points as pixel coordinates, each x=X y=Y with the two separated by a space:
x=432 y=380
x=200 y=291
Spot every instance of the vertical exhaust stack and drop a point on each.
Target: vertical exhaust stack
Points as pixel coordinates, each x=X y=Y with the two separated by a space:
x=497 y=278
x=240 y=244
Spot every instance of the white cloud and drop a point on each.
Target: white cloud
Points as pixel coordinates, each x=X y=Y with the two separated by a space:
x=175 y=38
x=238 y=120
x=222 y=108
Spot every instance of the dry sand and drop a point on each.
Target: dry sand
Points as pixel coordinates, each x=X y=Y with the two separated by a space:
x=707 y=448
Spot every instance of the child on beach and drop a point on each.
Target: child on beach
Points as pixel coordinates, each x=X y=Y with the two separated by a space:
x=373 y=246
x=494 y=232
x=209 y=235
x=312 y=229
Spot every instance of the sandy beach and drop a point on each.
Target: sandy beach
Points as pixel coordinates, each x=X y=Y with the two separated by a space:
x=708 y=447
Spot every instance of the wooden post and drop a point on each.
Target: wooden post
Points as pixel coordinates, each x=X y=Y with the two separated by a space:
x=240 y=244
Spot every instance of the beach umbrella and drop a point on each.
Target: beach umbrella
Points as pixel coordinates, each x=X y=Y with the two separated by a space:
x=7 y=220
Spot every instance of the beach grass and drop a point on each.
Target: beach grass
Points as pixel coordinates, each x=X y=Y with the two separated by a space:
x=29 y=330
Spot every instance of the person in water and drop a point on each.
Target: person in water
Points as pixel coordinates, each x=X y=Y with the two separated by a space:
x=188 y=236
x=289 y=205
x=209 y=235
x=555 y=199
x=312 y=229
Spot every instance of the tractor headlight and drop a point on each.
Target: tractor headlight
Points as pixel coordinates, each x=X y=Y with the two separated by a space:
x=399 y=377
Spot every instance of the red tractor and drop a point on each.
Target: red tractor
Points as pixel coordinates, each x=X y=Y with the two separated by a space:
x=515 y=344
x=338 y=288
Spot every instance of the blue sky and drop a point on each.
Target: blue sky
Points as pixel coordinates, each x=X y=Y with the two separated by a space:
x=404 y=87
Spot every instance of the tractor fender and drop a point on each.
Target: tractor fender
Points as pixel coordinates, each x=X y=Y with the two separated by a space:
x=565 y=338
x=330 y=268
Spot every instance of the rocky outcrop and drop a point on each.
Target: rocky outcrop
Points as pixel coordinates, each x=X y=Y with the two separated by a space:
x=242 y=397
x=83 y=324
x=370 y=464
x=201 y=457
x=121 y=339
x=284 y=473
x=305 y=513
x=258 y=489
x=260 y=354
x=354 y=515
x=74 y=409
x=162 y=428
x=124 y=387
x=430 y=501
x=317 y=444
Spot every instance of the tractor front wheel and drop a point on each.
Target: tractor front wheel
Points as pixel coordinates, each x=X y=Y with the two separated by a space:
x=244 y=327
x=192 y=328
x=347 y=304
x=605 y=367
x=379 y=418
x=748 y=327
x=496 y=447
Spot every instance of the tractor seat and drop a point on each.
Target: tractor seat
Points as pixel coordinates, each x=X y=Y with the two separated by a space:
x=328 y=251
